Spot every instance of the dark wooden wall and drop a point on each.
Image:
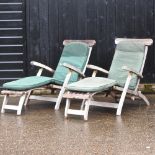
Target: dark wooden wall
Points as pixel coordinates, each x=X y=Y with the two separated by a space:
x=49 y=22
x=12 y=40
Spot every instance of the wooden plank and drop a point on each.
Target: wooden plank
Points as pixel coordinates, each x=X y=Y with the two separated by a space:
x=12 y=1
x=146 y=42
x=120 y=18
x=101 y=32
x=11 y=15
x=81 y=21
x=61 y=22
x=104 y=104
x=44 y=31
x=11 y=24
x=70 y=18
x=140 y=18
x=54 y=47
x=33 y=35
x=74 y=95
x=111 y=33
x=7 y=57
x=13 y=65
x=16 y=73
x=12 y=40
x=12 y=49
x=11 y=32
x=125 y=18
x=92 y=26
x=89 y=42
x=10 y=7
x=150 y=33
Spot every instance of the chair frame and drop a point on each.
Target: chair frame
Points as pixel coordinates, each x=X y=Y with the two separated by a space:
x=88 y=99
x=26 y=96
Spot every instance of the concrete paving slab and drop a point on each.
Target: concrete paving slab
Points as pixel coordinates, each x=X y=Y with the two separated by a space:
x=42 y=131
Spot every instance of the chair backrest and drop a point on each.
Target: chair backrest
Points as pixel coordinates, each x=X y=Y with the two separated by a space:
x=75 y=53
x=131 y=53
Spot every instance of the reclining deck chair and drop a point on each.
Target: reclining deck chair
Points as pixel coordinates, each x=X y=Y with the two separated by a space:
x=74 y=57
x=124 y=76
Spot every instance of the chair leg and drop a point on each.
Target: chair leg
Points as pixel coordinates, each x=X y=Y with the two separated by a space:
x=21 y=102
x=83 y=104
x=27 y=98
x=5 y=101
x=67 y=107
x=86 y=110
x=62 y=90
x=57 y=106
x=121 y=102
x=142 y=96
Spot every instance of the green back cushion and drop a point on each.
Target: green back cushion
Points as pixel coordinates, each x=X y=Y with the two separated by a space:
x=130 y=54
x=75 y=54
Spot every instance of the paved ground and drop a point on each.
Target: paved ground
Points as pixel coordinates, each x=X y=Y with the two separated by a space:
x=42 y=131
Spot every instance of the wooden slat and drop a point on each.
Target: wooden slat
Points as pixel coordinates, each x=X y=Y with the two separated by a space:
x=15 y=23
x=16 y=73
x=12 y=1
x=92 y=25
x=12 y=40
x=54 y=33
x=81 y=23
x=147 y=42
x=89 y=42
x=33 y=35
x=10 y=7
x=11 y=49
x=44 y=31
x=75 y=95
x=11 y=65
x=5 y=92
x=12 y=15
x=8 y=31
x=7 y=57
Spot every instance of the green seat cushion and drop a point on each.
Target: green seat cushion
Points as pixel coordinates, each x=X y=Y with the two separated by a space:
x=76 y=54
x=91 y=84
x=130 y=54
x=28 y=83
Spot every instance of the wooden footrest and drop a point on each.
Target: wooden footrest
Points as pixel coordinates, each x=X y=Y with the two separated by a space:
x=9 y=92
x=76 y=95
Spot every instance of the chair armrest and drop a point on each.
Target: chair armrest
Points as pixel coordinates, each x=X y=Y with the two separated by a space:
x=93 y=67
x=132 y=71
x=73 y=68
x=34 y=63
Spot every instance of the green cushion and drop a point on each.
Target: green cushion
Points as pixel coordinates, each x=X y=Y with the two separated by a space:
x=76 y=54
x=130 y=54
x=91 y=84
x=28 y=83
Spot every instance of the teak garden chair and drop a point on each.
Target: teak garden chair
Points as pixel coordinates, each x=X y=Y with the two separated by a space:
x=72 y=63
x=124 y=76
